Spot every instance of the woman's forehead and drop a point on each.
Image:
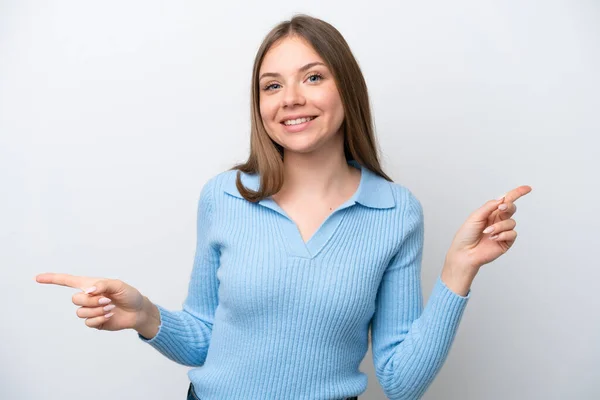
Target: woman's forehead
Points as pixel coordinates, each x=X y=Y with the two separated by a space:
x=288 y=55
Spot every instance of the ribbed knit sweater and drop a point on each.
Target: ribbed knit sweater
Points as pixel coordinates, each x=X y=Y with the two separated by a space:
x=268 y=316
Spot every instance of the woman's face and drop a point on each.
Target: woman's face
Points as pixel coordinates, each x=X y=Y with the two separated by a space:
x=299 y=102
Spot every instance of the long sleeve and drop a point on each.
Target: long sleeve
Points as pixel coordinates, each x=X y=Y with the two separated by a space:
x=184 y=336
x=410 y=344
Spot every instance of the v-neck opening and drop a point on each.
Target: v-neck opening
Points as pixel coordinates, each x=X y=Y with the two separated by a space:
x=342 y=206
x=321 y=236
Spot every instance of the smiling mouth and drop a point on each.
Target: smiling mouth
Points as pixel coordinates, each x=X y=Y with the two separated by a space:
x=298 y=121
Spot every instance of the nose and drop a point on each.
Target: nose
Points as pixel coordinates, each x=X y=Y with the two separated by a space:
x=292 y=96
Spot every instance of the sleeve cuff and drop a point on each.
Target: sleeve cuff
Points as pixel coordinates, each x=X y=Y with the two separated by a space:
x=446 y=304
x=445 y=288
x=443 y=312
x=158 y=337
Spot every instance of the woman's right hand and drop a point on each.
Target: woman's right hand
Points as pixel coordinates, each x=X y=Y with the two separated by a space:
x=112 y=305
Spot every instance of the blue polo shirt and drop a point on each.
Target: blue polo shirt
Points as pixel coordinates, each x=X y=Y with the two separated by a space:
x=268 y=316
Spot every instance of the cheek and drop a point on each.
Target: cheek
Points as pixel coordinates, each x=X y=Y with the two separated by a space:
x=339 y=107
x=268 y=112
x=267 y=115
x=330 y=100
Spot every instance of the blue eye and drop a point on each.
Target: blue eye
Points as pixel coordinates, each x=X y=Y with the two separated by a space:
x=270 y=87
x=315 y=76
x=311 y=79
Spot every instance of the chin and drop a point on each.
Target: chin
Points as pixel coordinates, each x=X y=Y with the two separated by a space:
x=301 y=145
x=300 y=149
x=303 y=142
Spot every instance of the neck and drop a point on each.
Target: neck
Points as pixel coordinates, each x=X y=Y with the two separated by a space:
x=316 y=175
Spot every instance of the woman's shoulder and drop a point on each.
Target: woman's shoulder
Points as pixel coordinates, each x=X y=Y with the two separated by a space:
x=224 y=183
x=403 y=192
x=406 y=200
x=378 y=186
x=220 y=182
x=223 y=177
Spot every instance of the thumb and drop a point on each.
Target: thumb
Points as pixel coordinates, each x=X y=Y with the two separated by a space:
x=105 y=286
x=483 y=213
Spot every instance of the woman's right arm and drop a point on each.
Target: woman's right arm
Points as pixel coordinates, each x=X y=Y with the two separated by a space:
x=182 y=336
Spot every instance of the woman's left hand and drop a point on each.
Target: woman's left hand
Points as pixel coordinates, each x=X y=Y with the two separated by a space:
x=472 y=248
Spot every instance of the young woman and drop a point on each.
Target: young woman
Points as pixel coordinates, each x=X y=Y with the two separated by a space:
x=305 y=247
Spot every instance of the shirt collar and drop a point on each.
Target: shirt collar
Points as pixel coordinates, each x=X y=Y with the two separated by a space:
x=373 y=190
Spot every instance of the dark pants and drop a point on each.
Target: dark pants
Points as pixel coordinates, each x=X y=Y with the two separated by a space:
x=191 y=395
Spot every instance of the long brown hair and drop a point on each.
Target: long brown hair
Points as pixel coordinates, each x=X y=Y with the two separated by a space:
x=266 y=156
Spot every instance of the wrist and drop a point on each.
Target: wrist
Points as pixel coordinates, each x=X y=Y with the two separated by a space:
x=147 y=320
x=458 y=279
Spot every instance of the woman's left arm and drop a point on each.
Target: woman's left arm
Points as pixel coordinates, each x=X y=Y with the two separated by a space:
x=411 y=343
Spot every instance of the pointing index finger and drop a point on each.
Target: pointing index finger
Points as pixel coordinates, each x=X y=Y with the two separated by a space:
x=515 y=194
x=68 y=280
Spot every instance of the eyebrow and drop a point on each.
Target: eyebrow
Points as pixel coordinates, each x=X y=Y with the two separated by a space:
x=302 y=69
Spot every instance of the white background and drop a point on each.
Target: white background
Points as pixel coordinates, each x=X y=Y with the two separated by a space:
x=114 y=114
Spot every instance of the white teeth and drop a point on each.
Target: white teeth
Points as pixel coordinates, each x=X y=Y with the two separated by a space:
x=297 y=121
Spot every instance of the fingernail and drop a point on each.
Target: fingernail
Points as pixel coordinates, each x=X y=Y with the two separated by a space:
x=109 y=315
x=90 y=289
x=501 y=197
x=488 y=229
x=104 y=300
x=109 y=307
x=502 y=207
x=494 y=236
